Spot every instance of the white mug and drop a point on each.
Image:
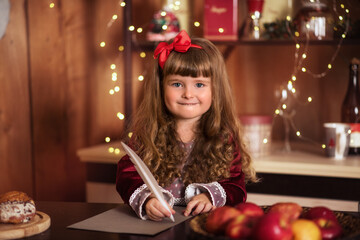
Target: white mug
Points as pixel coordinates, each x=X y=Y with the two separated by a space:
x=337 y=139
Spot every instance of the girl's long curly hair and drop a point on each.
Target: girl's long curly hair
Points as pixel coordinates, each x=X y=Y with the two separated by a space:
x=218 y=134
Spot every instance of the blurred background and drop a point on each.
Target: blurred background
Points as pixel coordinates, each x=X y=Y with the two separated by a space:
x=63 y=87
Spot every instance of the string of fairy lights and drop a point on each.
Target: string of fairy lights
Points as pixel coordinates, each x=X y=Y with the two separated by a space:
x=283 y=109
x=301 y=53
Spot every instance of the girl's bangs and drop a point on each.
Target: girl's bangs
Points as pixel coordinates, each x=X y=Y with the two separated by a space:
x=194 y=63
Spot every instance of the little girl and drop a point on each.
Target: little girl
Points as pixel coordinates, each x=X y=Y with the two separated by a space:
x=187 y=132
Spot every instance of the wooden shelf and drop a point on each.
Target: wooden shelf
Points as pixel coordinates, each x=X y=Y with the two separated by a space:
x=150 y=45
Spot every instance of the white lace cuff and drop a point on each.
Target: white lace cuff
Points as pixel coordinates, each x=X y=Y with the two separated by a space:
x=216 y=191
x=139 y=197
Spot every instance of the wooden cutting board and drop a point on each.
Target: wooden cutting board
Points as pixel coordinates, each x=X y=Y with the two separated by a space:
x=37 y=225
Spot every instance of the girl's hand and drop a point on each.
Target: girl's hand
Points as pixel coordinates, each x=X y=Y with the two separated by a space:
x=155 y=210
x=199 y=204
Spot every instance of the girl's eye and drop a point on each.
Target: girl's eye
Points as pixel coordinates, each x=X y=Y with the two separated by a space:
x=199 y=85
x=176 y=84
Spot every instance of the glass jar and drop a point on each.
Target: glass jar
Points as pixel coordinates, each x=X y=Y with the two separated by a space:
x=314 y=20
x=257 y=133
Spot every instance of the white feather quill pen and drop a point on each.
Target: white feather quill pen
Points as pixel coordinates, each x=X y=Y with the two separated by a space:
x=147 y=177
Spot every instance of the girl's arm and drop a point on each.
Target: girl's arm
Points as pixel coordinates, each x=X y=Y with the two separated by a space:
x=229 y=191
x=132 y=189
x=234 y=186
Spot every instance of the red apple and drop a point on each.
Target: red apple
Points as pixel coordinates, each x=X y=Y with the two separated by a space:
x=218 y=219
x=273 y=226
x=320 y=212
x=241 y=227
x=250 y=209
x=329 y=228
x=290 y=210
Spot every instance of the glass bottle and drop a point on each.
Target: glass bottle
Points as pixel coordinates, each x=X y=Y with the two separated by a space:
x=350 y=110
x=252 y=25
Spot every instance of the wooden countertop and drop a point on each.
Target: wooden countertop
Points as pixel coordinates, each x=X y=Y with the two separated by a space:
x=303 y=160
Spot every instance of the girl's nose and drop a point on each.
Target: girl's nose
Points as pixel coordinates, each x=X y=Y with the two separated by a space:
x=187 y=93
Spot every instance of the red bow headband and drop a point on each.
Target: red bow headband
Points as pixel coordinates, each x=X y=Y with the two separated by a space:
x=181 y=43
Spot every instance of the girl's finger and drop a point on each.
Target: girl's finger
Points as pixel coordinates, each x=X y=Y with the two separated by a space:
x=208 y=207
x=199 y=208
x=189 y=208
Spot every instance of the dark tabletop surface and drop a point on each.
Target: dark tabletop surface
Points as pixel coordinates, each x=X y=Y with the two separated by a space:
x=63 y=214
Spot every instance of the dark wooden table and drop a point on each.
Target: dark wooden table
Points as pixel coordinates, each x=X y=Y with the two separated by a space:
x=63 y=214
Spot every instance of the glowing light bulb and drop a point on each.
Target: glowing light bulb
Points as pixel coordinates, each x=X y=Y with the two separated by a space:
x=309 y=99
x=307 y=26
x=283 y=106
x=142 y=54
x=341 y=18
x=117 y=151
x=303 y=69
x=111 y=149
x=139 y=30
x=131 y=28
x=343 y=35
x=164 y=27
x=265 y=141
x=329 y=66
x=163 y=13
x=342 y=5
x=277 y=111
x=347 y=10
x=130 y=134
x=107 y=139
x=114 y=76
x=298 y=133
x=114 y=17
x=111 y=92
x=122 y=4
x=293 y=78
x=196 y=24
x=221 y=30
x=304 y=55
x=141 y=78
x=120 y=116
x=112 y=66
x=52 y=5
x=323 y=146
x=102 y=44
x=290 y=85
x=297 y=34
x=121 y=48
x=293 y=90
x=297 y=46
x=288 y=18
x=116 y=88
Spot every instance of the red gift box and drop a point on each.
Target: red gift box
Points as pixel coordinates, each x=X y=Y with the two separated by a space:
x=221 y=19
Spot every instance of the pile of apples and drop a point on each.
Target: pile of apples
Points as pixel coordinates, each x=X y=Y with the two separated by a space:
x=282 y=221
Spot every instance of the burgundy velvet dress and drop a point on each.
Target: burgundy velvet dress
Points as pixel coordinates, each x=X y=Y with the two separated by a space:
x=134 y=192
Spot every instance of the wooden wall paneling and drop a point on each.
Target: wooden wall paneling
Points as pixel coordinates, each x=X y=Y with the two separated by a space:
x=104 y=107
x=58 y=88
x=15 y=131
x=77 y=27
